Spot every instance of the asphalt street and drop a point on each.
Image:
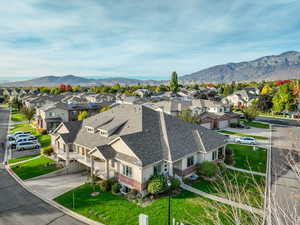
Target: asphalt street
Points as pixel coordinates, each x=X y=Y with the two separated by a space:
x=284 y=198
x=278 y=121
x=17 y=205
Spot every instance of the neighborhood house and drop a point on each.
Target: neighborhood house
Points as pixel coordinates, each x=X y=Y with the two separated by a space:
x=133 y=142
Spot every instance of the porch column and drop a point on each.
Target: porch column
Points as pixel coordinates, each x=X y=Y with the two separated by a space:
x=171 y=169
x=67 y=154
x=85 y=154
x=92 y=168
x=106 y=169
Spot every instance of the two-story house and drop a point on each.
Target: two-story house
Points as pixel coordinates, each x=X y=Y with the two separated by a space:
x=242 y=98
x=213 y=114
x=133 y=142
x=50 y=116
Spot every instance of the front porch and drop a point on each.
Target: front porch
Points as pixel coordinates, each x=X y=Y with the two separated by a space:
x=97 y=166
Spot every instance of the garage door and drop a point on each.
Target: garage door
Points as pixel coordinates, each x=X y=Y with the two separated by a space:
x=207 y=125
x=223 y=124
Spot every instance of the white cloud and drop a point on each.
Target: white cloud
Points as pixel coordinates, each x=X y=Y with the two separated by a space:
x=150 y=38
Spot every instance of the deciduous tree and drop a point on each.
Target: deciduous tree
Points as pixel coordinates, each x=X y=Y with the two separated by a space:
x=83 y=115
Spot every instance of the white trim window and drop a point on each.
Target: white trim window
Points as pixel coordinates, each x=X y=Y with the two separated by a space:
x=157 y=169
x=190 y=161
x=214 y=155
x=126 y=171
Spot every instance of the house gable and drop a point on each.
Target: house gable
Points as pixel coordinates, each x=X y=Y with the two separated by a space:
x=120 y=146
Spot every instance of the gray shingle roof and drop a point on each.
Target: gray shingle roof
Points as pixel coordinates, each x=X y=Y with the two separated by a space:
x=144 y=134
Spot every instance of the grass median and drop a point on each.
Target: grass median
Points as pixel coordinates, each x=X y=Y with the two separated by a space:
x=34 y=168
x=256 y=124
x=23 y=158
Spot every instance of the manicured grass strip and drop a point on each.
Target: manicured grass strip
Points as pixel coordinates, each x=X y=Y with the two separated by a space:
x=44 y=139
x=242 y=135
x=112 y=209
x=236 y=186
x=247 y=158
x=256 y=124
x=4 y=105
x=17 y=116
x=23 y=158
x=34 y=168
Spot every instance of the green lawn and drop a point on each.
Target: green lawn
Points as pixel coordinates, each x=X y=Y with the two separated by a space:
x=17 y=116
x=242 y=135
x=44 y=139
x=5 y=105
x=273 y=115
x=247 y=158
x=34 y=168
x=256 y=124
x=20 y=159
x=115 y=210
x=236 y=186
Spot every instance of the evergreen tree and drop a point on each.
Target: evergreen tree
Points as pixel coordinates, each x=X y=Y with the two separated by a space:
x=174 y=86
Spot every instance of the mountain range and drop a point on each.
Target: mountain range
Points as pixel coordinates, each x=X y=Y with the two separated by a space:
x=274 y=67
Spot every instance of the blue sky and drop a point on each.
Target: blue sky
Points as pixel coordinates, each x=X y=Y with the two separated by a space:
x=139 y=38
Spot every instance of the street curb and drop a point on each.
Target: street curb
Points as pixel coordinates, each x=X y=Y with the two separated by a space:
x=5 y=160
x=51 y=202
x=267 y=205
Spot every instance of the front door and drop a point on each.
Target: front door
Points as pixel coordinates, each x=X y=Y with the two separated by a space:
x=216 y=124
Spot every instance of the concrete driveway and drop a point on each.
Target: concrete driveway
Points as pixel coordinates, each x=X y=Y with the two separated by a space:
x=52 y=187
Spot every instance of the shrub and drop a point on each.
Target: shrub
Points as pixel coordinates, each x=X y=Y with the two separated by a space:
x=233 y=125
x=111 y=182
x=175 y=183
x=42 y=131
x=104 y=185
x=156 y=184
x=208 y=169
x=229 y=156
x=47 y=151
x=115 y=188
x=132 y=194
x=222 y=167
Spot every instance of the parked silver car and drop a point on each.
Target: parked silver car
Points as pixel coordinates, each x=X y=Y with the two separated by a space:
x=245 y=140
x=27 y=145
x=12 y=137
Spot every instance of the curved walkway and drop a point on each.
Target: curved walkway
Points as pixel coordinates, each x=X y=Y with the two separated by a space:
x=223 y=200
x=36 y=157
x=246 y=171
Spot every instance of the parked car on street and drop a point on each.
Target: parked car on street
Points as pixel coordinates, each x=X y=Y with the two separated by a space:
x=27 y=145
x=13 y=144
x=245 y=140
x=12 y=137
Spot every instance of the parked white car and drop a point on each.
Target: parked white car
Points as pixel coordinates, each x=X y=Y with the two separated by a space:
x=27 y=145
x=245 y=140
x=31 y=138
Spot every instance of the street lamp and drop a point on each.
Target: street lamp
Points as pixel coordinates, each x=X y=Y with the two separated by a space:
x=169 y=205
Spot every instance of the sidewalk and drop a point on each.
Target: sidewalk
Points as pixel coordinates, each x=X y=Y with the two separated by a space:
x=223 y=200
x=246 y=171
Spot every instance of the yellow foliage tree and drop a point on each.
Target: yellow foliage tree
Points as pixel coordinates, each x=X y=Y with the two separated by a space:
x=266 y=90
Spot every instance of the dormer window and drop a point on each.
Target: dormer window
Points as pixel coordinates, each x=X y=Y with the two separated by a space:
x=90 y=130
